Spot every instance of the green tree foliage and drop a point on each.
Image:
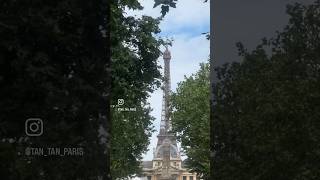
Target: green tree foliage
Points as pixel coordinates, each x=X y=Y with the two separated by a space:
x=190 y=119
x=54 y=66
x=165 y=5
x=135 y=74
x=266 y=109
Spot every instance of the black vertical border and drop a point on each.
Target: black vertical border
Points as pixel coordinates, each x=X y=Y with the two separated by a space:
x=212 y=80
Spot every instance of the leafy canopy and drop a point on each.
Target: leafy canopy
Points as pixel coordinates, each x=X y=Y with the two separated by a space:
x=190 y=119
x=266 y=109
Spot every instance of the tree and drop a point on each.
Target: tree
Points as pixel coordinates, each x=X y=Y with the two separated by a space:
x=266 y=109
x=190 y=119
x=135 y=74
x=54 y=66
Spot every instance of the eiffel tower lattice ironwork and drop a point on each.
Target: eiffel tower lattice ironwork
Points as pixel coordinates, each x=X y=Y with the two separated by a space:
x=166 y=148
x=166 y=163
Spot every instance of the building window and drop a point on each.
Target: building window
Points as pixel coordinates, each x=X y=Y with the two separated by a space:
x=149 y=177
x=184 y=177
x=191 y=178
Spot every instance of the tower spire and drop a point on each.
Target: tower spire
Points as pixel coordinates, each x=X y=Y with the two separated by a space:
x=165 y=125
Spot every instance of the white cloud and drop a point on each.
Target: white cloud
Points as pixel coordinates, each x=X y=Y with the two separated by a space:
x=190 y=13
x=186 y=55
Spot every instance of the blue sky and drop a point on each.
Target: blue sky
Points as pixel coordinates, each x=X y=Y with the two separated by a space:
x=189 y=31
x=185 y=24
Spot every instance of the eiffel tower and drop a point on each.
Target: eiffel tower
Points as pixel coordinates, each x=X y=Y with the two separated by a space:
x=166 y=149
x=166 y=163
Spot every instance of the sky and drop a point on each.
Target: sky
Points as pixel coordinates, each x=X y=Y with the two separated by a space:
x=185 y=24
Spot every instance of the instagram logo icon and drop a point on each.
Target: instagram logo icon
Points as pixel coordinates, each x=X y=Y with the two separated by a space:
x=34 y=127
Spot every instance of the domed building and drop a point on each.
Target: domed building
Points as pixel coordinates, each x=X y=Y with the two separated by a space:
x=166 y=163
